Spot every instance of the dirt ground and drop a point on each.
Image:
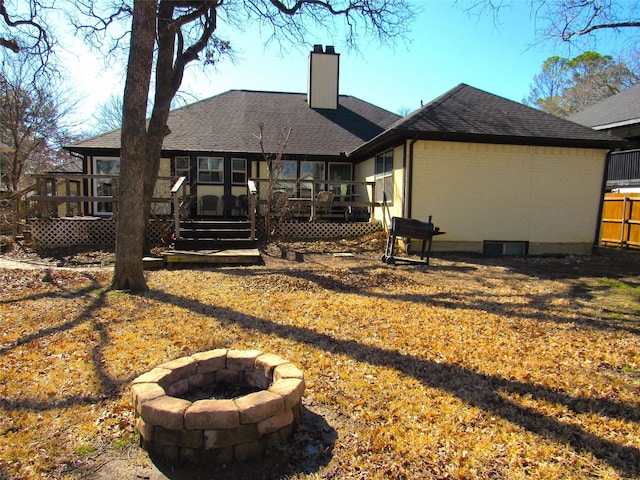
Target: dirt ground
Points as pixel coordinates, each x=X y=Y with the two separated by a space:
x=309 y=445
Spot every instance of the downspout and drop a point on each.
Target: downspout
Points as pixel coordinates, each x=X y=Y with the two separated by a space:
x=405 y=181
x=409 y=187
x=603 y=189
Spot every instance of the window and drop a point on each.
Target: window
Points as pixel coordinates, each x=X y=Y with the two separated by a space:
x=314 y=171
x=497 y=247
x=181 y=167
x=103 y=187
x=238 y=171
x=210 y=169
x=384 y=177
x=285 y=170
x=340 y=171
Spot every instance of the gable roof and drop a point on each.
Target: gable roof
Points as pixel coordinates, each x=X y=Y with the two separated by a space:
x=621 y=109
x=467 y=114
x=229 y=123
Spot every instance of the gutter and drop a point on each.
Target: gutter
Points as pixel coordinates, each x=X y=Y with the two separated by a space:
x=621 y=123
x=603 y=188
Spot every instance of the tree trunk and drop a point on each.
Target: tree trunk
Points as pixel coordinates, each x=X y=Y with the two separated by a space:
x=132 y=220
x=141 y=147
x=164 y=94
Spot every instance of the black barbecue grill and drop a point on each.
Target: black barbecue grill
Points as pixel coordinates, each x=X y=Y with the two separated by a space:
x=410 y=228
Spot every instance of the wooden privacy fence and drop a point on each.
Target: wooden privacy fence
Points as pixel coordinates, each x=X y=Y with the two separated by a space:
x=621 y=220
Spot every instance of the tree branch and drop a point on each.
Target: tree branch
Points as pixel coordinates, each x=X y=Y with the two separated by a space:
x=300 y=3
x=31 y=34
x=11 y=44
x=593 y=28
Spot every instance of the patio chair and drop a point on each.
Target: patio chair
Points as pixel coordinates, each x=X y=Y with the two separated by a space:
x=230 y=204
x=242 y=204
x=209 y=203
x=326 y=198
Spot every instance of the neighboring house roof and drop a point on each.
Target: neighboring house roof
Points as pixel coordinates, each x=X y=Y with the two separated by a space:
x=618 y=110
x=467 y=114
x=229 y=122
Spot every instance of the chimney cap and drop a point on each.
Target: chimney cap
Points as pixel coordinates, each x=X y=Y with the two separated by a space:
x=329 y=49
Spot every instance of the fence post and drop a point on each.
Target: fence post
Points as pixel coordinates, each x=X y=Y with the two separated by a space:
x=623 y=220
x=373 y=202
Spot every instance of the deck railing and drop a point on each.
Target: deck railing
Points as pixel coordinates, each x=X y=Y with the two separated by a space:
x=624 y=169
x=74 y=194
x=53 y=190
x=302 y=199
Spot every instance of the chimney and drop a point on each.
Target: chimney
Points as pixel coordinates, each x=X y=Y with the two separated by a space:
x=324 y=68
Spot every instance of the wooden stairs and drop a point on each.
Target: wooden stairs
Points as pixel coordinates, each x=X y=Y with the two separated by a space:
x=219 y=242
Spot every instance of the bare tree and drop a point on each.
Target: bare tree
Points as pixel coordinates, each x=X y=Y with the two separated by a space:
x=568 y=20
x=277 y=207
x=167 y=35
x=31 y=122
x=23 y=29
x=108 y=115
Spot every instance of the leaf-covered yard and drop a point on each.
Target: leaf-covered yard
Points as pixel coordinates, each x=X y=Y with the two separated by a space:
x=470 y=368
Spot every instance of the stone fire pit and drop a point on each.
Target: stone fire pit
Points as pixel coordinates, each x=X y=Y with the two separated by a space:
x=177 y=419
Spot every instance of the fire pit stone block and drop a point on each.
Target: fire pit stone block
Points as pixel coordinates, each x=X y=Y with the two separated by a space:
x=209 y=414
x=211 y=361
x=257 y=406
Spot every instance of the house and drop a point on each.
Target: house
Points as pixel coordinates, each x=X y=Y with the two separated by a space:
x=497 y=176
x=618 y=115
x=215 y=142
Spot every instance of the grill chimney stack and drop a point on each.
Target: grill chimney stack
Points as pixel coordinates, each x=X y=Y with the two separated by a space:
x=324 y=69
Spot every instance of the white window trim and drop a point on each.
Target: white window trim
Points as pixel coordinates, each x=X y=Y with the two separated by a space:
x=236 y=171
x=221 y=171
x=380 y=178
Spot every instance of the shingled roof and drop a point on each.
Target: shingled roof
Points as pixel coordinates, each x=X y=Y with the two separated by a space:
x=229 y=123
x=620 y=109
x=467 y=114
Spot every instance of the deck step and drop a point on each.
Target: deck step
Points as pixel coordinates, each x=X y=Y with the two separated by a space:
x=243 y=256
x=199 y=234
x=215 y=233
x=195 y=224
x=214 y=243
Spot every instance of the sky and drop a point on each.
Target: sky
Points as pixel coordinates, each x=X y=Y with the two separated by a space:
x=446 y=46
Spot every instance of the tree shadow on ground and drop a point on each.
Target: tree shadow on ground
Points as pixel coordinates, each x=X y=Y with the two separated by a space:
x=490 y=393
x=371 y=281
x=109 y=388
